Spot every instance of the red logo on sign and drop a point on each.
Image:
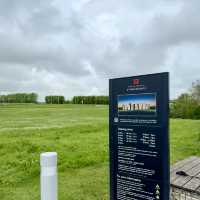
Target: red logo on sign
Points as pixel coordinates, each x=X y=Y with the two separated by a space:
x=136 y=81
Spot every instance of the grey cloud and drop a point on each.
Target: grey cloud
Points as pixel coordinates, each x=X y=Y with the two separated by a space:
x=180 y=28
x=59 y=38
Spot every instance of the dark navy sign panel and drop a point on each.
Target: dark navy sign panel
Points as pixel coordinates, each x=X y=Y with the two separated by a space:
x=139 y=147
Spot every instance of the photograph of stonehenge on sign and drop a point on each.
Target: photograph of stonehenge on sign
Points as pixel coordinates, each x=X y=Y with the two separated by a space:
x=137 y=104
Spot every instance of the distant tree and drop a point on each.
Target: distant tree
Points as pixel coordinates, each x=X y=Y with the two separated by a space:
x=19 y=98
x=183 y=107
x=196 y=91
x=90 y=100
x=187 y=105
x=55 y=99
x=196 y=113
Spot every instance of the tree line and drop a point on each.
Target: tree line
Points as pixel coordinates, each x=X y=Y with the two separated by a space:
x=52 y=99
x=19 y=98
x=104 y=100
x=55 y=99
x=187 y=105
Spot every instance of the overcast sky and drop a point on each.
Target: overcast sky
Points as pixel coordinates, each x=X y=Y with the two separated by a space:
x=72 y=47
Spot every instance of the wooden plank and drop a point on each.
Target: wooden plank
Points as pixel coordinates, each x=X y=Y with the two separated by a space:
x=198 y=190
x=181 y=181
x=185 y=168
x=181 y=163
x=193 y=184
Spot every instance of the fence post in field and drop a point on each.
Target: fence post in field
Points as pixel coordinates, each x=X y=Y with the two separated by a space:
x=48 y=176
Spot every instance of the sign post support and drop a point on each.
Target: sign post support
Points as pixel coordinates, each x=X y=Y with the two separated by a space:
x=48 y=177
x=139 y=139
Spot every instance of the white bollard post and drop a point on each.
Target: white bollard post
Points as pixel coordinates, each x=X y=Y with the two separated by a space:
x=48 y=176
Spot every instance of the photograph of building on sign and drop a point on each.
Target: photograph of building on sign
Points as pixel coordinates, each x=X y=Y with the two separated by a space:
x=137 y=104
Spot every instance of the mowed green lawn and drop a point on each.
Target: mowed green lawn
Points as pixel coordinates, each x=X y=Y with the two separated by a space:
x=79 y=133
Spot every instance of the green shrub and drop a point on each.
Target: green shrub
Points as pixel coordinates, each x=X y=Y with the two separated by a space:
x=196 y=113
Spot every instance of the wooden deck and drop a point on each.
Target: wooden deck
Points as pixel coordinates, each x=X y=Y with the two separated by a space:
x=188 y=177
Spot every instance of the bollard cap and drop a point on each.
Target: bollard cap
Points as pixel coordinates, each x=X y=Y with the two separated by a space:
x=48 y=159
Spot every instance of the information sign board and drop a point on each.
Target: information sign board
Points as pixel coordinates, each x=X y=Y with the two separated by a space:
x=139 y=147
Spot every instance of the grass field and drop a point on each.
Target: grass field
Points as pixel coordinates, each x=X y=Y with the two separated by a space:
x=79 y=134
